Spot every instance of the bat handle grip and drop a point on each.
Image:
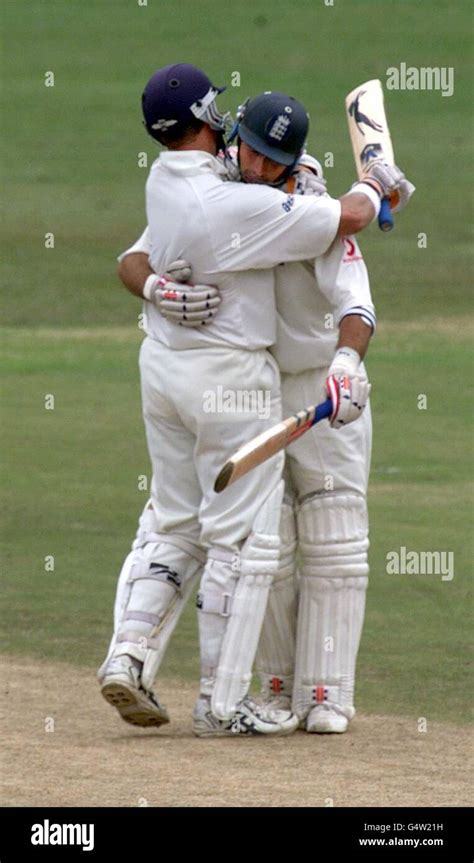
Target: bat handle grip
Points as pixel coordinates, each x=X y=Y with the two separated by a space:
x=385 y=215
x=322 y=411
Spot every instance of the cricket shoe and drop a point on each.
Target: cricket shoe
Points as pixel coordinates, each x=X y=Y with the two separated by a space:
x=276 y=703
x=121 y=687
x=249 y=719
x=275 y=693
x=326 y=719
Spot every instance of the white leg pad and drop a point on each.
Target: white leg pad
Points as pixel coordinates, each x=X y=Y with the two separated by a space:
x=275 y=658
x=258 y=563
x=333 y=537
x=156 y=580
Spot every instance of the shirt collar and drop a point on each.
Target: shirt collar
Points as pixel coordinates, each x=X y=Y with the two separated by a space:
x=191 y=162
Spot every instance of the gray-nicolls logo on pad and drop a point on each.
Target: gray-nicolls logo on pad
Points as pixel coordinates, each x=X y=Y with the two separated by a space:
x=49 y=833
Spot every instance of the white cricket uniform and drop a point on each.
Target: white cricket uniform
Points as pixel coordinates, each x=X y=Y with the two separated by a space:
x=307 y=334
x=326 y=477
x=312 y=296
x=234 y=235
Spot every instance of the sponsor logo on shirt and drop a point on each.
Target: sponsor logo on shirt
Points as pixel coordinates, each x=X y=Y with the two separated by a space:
x=352 y=253
x=287 y=205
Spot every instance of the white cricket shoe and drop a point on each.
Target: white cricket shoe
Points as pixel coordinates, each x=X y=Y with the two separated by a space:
x=326 y=719
x=249 y=719
x=274 y=703
x=121 y=687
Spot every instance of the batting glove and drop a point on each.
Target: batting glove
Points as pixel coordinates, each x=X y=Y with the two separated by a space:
x=347 y=386
x=309 y=176
x=308 y=184
x=393 y=182
x=180 y=302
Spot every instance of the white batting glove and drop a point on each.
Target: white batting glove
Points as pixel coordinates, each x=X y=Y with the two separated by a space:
x=178 y=271
x=309 y=176
x=393 y=182
x=189 y=306
x=308 y=184
x=348 y=387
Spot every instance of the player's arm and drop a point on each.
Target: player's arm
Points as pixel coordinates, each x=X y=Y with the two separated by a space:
x=354 y=333
x=133 y=271
x=140 y=279
x=359 y=209
x=185 y=304
x=347 y=384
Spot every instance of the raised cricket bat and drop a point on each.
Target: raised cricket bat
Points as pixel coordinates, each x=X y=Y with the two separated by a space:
x=269 y=443
x=370 y=136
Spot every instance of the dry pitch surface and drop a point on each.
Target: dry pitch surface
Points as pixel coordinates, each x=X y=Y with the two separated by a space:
x=93 y=758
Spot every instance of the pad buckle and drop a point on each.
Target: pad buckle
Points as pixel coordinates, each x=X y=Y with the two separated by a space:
x=226 y=607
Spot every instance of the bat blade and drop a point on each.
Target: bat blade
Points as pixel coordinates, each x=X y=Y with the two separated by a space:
x=370 y=135
x=269 y=443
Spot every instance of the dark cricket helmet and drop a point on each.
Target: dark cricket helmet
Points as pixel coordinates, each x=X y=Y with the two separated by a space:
x=177 y=94
x=275 y=125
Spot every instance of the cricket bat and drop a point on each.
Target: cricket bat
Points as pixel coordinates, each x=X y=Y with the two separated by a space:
x=370 y=137
x=269 y=443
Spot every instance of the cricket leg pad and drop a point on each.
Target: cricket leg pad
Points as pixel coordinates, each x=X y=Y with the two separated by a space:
x=155 y=582
x=275 y=658
x=232 y=602
x=333 y=537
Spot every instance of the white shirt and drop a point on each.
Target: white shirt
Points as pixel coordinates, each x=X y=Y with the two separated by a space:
x=234 y=234
x=322 y=293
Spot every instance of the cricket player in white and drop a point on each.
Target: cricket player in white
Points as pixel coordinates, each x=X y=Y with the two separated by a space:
x=313 y=625
x=187 y=189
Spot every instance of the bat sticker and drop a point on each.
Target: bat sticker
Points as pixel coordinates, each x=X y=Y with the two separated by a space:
x=370 y=151
x=360 y=118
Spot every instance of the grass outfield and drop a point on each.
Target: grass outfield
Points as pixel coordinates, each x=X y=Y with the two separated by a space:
x=72 y=481
x=70 y=167
x=71 y=152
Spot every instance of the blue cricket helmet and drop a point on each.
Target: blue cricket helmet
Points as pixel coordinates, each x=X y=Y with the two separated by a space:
x=178 y=94
x=275 y=125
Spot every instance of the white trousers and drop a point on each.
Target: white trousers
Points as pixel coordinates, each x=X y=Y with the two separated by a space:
x=199 y=406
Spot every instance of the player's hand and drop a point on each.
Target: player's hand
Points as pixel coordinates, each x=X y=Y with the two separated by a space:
x=392 y=181
x=348 y=387
x=307 y=183
x=178 y=271
x=179 y=301
x=308 y=176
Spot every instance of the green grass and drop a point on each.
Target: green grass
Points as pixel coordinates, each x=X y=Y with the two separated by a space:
x=69 y=166
x=72 y=483
x=70 y=152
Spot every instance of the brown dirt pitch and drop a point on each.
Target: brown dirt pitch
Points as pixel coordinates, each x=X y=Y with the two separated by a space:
x=64 y=746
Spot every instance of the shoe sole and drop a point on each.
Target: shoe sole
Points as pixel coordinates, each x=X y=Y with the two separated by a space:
x=326 y=730
x=131 y=710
